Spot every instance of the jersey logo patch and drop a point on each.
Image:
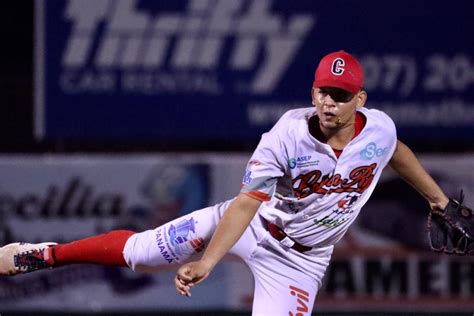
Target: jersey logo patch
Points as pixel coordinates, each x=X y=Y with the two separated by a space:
x=328 y=222
x=358 y=181
x=371 y=150
x=344 y=205
x=178 y=240
x=301 y=162
x=247 y=177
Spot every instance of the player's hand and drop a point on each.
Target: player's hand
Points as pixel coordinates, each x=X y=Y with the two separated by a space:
x=190 y=274
x=439 y=204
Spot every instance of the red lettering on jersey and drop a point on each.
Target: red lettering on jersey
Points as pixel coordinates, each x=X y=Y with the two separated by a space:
x=302 y=298
x=359 y=180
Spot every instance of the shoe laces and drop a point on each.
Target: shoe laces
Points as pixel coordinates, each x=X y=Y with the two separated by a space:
x=30 y=260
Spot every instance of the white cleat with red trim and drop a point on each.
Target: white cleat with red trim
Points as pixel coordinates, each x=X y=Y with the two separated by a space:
x=22 y=257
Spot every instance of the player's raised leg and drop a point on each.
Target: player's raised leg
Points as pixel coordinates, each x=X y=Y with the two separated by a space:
x=171 y=243
x=175 y=242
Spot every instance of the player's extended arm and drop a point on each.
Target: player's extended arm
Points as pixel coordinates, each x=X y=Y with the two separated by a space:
x=407 y=166
x=230 y=228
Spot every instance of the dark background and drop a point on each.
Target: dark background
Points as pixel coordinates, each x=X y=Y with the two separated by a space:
x=16 y=84
x=16 y=115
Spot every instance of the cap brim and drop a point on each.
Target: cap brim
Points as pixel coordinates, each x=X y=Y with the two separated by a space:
x=336 y=84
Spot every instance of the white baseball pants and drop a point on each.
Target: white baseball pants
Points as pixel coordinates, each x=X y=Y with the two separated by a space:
x=286 y=281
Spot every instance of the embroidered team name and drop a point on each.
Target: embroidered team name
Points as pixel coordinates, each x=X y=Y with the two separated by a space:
x=314 y=182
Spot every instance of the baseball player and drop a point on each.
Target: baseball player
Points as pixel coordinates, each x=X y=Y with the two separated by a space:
x=304 y=186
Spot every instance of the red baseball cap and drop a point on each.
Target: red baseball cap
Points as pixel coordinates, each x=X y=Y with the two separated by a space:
x=340 y=70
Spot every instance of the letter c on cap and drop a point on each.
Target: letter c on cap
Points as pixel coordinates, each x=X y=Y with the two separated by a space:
x=337 y=67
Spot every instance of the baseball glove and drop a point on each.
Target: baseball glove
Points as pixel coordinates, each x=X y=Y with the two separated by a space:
x=451 y=230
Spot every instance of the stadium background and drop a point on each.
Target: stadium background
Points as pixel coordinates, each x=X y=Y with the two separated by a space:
x=126 y=113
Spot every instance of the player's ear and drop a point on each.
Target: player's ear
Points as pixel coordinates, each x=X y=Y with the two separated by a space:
x=361 y=99
x=313 y=97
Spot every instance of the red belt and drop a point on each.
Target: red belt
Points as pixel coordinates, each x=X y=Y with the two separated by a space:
x=283 y=238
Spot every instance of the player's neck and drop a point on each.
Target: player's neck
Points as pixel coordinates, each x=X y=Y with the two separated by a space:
x=338 y=137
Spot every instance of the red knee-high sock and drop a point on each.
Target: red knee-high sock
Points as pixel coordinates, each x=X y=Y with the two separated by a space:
x=105 y=249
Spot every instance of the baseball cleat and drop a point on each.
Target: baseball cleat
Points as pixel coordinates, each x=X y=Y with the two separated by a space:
x=22 y=257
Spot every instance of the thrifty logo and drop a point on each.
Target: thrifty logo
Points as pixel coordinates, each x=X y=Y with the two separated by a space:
x=235 y=35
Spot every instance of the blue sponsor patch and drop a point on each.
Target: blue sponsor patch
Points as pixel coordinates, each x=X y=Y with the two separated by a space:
x=247 y=177
x=179 y=234
x=301 y=162
x=371 y=150
x=292 y=163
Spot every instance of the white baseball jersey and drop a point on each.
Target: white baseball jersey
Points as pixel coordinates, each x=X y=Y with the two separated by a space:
x=309 y=192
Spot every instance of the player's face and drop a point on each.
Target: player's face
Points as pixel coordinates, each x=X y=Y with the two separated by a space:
x=336 y=107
